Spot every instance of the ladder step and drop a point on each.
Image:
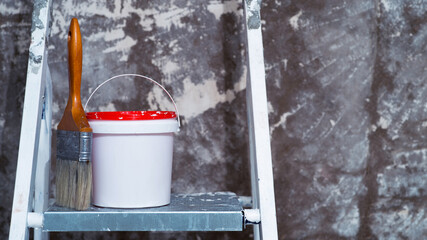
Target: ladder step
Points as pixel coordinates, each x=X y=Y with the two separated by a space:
x=220 y=211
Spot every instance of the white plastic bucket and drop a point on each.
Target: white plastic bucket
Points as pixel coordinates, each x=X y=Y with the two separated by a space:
x=132 y=156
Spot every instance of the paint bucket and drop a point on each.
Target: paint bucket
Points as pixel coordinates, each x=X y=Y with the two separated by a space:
x=132 y=156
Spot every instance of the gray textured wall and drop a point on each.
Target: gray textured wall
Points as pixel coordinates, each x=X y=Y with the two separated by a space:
x=346 y=89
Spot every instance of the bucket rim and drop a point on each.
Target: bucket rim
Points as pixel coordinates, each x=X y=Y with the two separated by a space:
x=130 y=115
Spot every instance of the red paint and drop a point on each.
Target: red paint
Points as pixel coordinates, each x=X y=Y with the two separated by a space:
x=131 y=115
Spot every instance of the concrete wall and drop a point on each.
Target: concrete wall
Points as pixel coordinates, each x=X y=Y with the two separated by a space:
x=346 y=92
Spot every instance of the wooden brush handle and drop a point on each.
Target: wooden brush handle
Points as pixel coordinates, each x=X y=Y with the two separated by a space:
x=74 y=118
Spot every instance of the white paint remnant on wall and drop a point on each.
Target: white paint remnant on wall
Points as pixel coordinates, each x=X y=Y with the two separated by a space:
x=197 y=98
x=55 y=107
x=170 y=67
x=383 y=123
x=17 y=9
x=281 y=122
x=158 y=100
x=117 y=6
x=123 y=46
x=124 y=9
x=114 y=34
x=200 y=97
x=218 y=8
x=167 y=18
x=386 y=4
x=241 y=84
x=404 y=212
x=270 y=107
x=107 y=108
x=347 y=223
x=162 y=19
x=396 y=34
x=293 y=21
x=58 y=22
x=284 y=118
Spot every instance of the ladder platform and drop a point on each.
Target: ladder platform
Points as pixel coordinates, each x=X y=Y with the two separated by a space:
x=220 y=211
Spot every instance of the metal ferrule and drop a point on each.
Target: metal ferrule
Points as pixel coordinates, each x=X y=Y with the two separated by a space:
x=85 y=146
x=71 y=145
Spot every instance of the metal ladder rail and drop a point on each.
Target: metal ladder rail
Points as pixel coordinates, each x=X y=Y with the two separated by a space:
x=41 y=184
x=262 y=181
x=22 y=208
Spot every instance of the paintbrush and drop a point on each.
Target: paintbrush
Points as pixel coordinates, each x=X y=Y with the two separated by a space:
x=74 y=136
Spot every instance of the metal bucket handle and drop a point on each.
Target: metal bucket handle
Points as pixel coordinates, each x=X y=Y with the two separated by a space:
x=140 y=76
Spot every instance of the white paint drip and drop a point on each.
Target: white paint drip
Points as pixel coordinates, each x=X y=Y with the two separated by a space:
x=293 y=21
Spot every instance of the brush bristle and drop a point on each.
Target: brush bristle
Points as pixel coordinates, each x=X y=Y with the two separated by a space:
x=73 y=183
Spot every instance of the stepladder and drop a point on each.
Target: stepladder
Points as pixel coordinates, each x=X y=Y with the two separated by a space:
x=220 y=211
